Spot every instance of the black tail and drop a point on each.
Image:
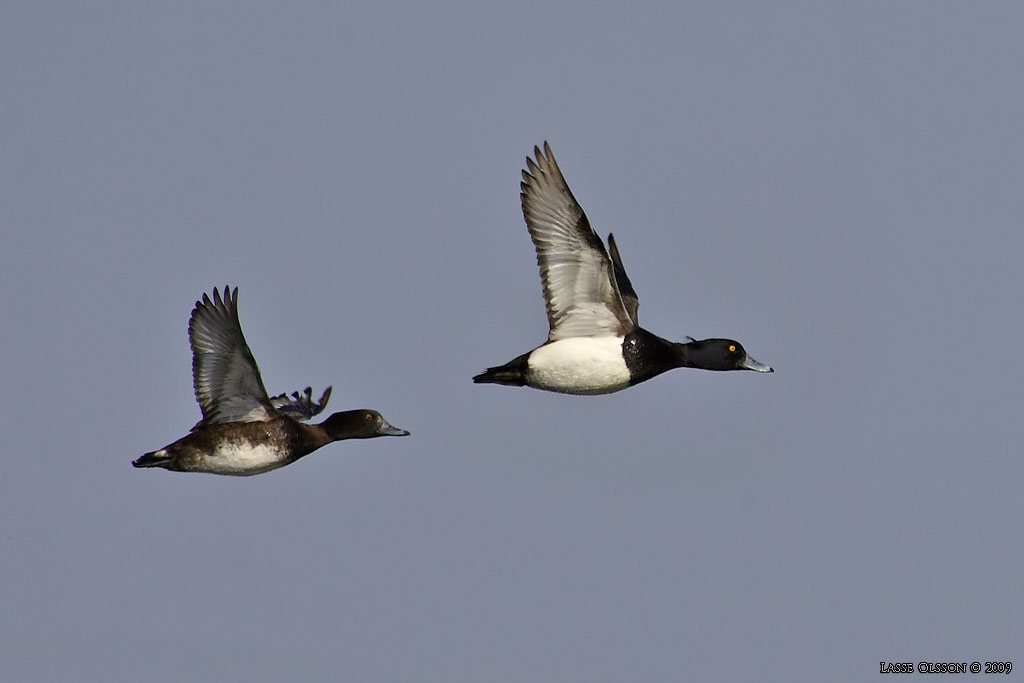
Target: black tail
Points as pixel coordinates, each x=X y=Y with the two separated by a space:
x=154 y=459
x=512 y=373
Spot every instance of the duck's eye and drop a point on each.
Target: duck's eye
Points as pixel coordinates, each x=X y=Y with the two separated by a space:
x=369 y=416
x=732 y=348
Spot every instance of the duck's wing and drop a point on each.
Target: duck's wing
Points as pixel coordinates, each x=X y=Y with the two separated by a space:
x=226 y=379
x=579 y=283
x=626 y=291
x=301 y=406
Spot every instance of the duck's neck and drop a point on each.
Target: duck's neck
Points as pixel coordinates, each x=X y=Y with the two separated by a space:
x=652 y=355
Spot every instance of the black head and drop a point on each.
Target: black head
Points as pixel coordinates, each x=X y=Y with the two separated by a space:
x=721 y=354
x=359 y=424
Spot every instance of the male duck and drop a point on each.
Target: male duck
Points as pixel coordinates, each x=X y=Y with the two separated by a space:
x=595 y=345
x=243 y=430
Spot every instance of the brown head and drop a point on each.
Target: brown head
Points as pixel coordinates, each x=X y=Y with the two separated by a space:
x=359 y=424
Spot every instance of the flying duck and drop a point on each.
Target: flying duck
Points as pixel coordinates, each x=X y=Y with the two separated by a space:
x=244 y=431
x=595 y=344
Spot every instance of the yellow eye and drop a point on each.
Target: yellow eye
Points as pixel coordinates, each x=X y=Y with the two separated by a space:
x=369 y=416
x=732 y=348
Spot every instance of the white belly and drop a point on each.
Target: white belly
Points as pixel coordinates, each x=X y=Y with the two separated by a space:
x=241 y=459
x=581 y=365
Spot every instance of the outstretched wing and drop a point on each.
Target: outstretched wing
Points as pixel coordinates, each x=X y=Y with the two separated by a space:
x=301 y=406
x=626 y=291
x=224 y=373
x=577 y=275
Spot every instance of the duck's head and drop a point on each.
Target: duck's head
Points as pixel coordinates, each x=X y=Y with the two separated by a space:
x=359 y=424
x=721 y=354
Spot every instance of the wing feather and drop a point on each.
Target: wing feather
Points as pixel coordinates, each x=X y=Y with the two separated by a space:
x=577 y=275
x=301 y=406
x=626 y=291
x=225 y=376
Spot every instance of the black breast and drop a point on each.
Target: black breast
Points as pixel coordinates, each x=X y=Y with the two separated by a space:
x=648 y=355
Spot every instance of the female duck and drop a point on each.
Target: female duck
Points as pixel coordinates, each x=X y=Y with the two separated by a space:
x=243 y=430
x=595 y=344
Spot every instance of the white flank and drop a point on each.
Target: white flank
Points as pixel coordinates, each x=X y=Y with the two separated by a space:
x=579 y=365
x=241 y=459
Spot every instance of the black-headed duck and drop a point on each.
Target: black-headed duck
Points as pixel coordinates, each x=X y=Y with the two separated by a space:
x=595 y=344
x=243 y=430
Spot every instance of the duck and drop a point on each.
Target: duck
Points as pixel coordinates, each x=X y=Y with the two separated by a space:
x=243 y=430
x=595 y=343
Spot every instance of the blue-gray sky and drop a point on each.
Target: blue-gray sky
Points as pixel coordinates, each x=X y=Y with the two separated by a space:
x=837 y=185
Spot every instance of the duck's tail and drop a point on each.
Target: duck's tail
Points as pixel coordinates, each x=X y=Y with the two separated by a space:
x=158 y=458
x=512 y=373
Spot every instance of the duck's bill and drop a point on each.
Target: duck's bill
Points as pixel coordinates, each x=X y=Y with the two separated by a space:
x=751 y=364
x=386 y=429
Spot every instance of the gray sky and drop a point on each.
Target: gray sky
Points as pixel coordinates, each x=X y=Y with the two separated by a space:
x=838 y=186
